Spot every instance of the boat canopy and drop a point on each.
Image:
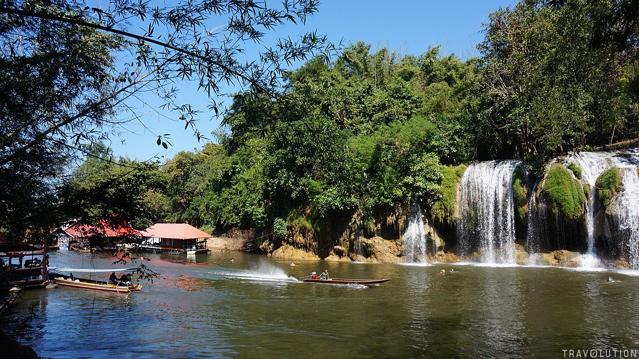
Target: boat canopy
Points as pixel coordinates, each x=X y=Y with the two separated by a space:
x=94 y=270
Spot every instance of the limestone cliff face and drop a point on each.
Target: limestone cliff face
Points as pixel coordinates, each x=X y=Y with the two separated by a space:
x=380 y=250
x=552 y=217
x=290 y=253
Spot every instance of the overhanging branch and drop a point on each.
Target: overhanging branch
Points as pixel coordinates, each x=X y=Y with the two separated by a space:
x=82 y=22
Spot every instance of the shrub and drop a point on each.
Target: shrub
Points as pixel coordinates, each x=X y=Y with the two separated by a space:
x=280 y=228
x=443 y=210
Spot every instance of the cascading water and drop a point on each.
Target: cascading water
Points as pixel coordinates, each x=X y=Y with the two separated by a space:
x=537 y=231
x=593 y=164
x=414 y=239
x=487 y=211
x=627 y=214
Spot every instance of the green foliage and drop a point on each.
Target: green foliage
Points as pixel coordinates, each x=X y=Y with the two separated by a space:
x=375 y=130
x=608 y=185
x=423 y=180
x=122 y=190
x=280 y=228
x=565 y=194
x=576 y=169
x=520 y=193
x=443 y=209
x=555 y=78
x=51 y=77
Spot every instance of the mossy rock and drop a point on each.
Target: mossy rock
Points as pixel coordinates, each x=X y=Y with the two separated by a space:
x=608 y=185
x=443 y=210
x=586 y=190
x=576 y=169
x=564 y=192
x=520 y=194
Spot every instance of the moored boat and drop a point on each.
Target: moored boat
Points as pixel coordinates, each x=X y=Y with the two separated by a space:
x=124 y=286
x=25 y=265
x=346 y=281
x=83 y=283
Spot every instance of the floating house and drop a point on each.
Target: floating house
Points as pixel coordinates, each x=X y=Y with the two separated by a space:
x=175 y=237
x=102 y=236
x=26 y=265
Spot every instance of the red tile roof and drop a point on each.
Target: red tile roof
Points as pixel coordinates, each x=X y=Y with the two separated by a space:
x=174 y=231
x=102 y=229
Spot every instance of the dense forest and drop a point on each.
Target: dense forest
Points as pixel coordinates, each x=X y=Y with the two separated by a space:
x=361 y=136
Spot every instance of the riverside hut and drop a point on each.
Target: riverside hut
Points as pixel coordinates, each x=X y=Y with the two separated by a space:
x=102 y=236
x=175 y=237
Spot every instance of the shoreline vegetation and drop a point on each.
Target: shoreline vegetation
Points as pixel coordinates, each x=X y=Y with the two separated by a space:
x=335 y=159
x=340 y=157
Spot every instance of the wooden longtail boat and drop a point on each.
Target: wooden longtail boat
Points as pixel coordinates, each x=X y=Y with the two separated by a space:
x=67 y=281
x=346 y=281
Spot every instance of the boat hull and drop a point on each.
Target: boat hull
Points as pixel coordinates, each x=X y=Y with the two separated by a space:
x=343 y=281
x=105 y=287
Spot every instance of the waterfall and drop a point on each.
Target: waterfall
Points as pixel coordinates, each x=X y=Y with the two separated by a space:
x=357 y=245
x=627 y=215
x=487 y=211
x=593 y=164
x=537 y=231
x=414 y=239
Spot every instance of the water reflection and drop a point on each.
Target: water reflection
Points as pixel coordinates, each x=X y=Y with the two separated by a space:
x=233 y=304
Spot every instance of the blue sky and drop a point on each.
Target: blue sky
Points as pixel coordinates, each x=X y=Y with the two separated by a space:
x=405 y=26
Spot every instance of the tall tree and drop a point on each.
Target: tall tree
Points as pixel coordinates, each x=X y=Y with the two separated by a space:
x=555 y=75
x=70 y=69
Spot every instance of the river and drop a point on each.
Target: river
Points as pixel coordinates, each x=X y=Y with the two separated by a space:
x=240 y=305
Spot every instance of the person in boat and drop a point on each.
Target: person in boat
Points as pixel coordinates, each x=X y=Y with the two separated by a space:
x=113 y=278
x=125 y=278
x=325 y=275
x=314 y=276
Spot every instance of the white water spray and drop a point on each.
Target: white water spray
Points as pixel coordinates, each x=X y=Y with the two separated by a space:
x=593 y=164
x=487 y=211
x=627 y=215
x=264 y=272
x=414 y=238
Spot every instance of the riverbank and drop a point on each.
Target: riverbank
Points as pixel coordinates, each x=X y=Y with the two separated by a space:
x=380 y=250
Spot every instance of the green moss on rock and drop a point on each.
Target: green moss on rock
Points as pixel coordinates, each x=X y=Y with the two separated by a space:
x=565 y=194
x=443 y=210
x=576 y=169
x=586 y=190
x=608 y=185
x=520 y=194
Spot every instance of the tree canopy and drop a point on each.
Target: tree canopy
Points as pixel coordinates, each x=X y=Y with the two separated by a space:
x=368 y=131
x=70 y=70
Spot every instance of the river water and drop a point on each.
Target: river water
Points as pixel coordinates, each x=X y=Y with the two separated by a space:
x=253 y=307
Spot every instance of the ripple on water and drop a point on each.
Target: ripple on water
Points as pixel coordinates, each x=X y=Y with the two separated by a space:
x=213 y=311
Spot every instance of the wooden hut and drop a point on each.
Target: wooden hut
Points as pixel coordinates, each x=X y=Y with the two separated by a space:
x=175 y=237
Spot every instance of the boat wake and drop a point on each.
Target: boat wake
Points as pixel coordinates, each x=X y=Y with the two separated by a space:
x=263 y=273
x=255 y=276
